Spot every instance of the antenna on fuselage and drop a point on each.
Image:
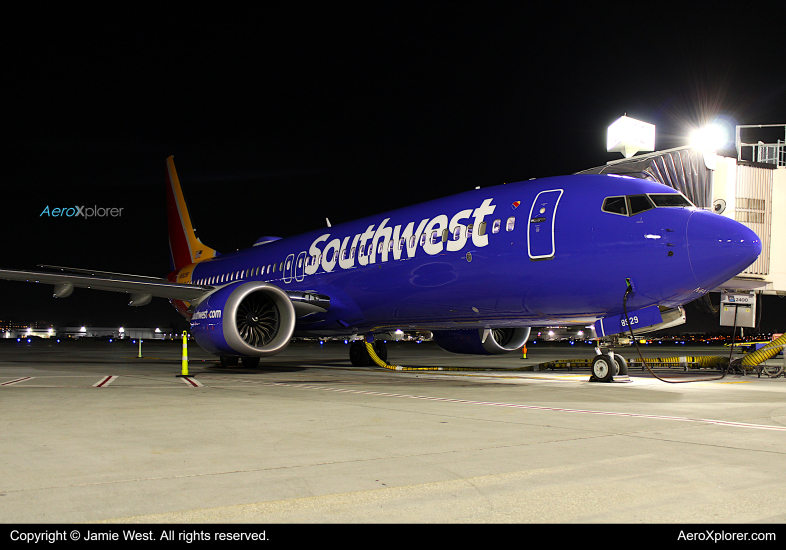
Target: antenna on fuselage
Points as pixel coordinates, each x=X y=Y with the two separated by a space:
x=328 y=222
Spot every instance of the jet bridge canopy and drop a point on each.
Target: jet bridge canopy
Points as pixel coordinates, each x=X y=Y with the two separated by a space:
x=685 y=169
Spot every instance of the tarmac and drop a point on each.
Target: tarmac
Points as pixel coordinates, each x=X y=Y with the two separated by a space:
x=90 y=433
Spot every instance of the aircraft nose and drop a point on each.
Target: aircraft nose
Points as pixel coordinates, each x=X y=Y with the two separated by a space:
x=719 y=248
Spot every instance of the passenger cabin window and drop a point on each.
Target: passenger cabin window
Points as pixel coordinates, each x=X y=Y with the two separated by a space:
x=482 y=229
x=511 y=224
x=495 y=227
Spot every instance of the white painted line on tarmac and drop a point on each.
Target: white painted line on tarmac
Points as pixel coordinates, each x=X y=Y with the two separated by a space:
x=533 y=407
x=104 y=382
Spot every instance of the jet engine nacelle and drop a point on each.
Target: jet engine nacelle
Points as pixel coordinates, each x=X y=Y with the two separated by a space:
x=251 y=319
x=472 y=341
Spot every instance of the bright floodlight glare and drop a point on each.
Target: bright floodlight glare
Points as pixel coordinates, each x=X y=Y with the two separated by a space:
x=709 y=138
x=629 y=136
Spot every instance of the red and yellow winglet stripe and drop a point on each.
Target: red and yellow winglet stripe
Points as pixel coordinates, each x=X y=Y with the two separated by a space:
x=184 y=245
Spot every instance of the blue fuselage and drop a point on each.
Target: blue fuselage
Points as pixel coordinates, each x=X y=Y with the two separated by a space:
x=537 y=252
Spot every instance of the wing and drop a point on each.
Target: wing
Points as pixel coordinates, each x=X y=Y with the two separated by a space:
x=140 y=287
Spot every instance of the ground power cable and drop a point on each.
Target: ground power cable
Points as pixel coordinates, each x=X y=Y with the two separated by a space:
x=644 y=362
x=384 y=364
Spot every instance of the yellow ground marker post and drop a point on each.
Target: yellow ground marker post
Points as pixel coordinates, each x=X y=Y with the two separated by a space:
x=184 y=362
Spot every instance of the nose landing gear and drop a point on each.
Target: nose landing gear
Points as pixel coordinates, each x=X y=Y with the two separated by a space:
x=609 y=366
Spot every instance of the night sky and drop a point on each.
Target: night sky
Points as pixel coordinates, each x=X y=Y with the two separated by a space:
x=279 y=119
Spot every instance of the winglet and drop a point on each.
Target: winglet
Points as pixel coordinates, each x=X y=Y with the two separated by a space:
x=184 y=246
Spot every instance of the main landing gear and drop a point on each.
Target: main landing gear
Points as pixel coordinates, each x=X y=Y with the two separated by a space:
x=358 y=354
x=232 y=361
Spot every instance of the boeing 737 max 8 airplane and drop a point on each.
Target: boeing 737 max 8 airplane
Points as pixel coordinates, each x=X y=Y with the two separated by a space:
x=477 y=269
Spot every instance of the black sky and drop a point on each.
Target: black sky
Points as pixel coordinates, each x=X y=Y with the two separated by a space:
x=280 y=118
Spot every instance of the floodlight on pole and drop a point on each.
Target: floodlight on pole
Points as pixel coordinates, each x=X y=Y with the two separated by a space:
x=709 y=138
x=629 y=136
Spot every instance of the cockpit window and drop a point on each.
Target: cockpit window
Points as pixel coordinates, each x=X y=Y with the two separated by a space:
x=615 y=205
x=638 y=204
x=635 y=204
x=666 y=200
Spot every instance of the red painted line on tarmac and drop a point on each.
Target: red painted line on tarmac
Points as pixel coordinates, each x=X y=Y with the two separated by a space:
x=12 y=382
x=105 y=382
x=189 y=380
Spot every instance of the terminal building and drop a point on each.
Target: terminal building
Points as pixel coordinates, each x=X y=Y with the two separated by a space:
x=115 y=332
x=40 y=330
